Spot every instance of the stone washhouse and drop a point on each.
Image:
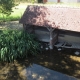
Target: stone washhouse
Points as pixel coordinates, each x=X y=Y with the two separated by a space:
x=57 y=26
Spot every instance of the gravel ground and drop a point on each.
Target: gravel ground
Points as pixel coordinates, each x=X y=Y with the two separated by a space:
x=11 y=25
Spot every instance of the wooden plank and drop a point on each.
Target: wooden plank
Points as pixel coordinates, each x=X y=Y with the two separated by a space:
x=41 y=32
x=73 y=45
x=59 y=44
x=76 y=45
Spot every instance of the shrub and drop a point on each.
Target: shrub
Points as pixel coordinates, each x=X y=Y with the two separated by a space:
x=17 y=44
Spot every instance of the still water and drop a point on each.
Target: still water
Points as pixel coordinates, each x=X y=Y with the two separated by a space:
x=49 y=65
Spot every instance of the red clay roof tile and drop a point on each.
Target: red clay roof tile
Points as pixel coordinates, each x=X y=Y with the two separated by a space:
x=56 y=17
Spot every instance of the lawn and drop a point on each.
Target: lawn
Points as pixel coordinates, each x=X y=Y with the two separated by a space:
x=16 y=14
x=20 y=8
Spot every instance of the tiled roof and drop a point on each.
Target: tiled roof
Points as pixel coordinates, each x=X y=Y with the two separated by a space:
x=49 y=16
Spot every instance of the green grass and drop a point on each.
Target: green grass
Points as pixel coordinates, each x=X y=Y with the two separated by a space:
x=10 y=18
x=15 y=15
x=19 y=10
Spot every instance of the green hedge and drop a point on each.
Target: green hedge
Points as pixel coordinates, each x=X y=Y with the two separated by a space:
x=17 y=44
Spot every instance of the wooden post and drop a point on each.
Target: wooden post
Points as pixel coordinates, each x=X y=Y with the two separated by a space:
x=51 y=42
x=51 y=37
x=44 y=1
x=24 y=26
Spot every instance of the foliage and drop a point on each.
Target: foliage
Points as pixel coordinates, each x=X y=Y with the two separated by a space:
x=15 y=15
x=17 y=44
x=40 y=1
x=6 y=6
x=32 y=1
x=26 y=1
x=10 y=18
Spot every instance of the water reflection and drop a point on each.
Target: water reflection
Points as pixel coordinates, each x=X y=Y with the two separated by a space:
x=37 y=72
x=42 y=67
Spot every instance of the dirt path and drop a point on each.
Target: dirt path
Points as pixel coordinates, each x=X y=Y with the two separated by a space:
x=11 y=25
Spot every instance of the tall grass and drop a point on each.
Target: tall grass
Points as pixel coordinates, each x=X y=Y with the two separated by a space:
x=17 y=44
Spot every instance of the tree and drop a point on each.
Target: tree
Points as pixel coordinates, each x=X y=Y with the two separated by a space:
x=6 y=6
x=40 y=1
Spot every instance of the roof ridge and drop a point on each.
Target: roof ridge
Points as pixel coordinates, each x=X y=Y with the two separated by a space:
x=58 y=6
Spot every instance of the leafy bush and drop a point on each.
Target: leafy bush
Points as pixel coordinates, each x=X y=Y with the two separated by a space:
x=17 y=44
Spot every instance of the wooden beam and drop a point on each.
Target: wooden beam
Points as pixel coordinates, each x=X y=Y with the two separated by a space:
x=51 y=37
x=50 y=28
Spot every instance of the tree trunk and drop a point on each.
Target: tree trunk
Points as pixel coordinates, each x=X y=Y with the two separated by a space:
x=58 y=1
